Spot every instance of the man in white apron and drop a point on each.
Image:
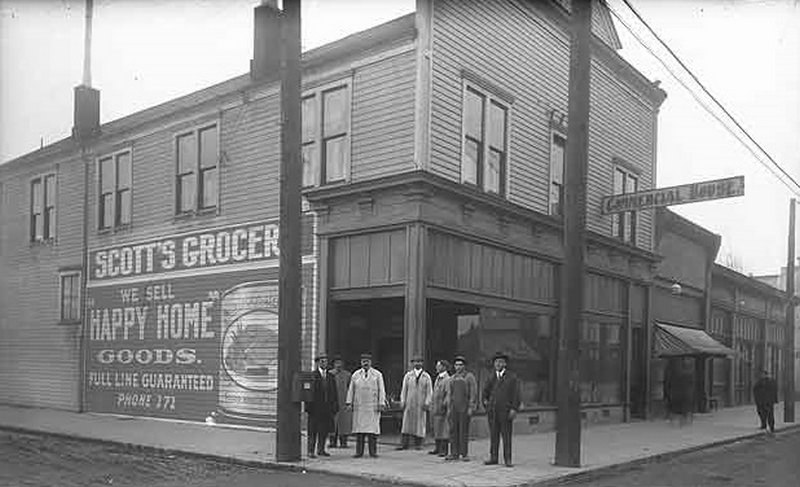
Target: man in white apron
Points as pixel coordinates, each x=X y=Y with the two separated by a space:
x=415 y=399
x=366 y=397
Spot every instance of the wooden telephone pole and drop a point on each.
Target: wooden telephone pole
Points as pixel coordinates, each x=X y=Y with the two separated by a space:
x=788 y=355
x=568 y=420
x=287 y=436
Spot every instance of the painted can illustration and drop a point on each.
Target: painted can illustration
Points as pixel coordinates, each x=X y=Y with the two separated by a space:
x=248 y=381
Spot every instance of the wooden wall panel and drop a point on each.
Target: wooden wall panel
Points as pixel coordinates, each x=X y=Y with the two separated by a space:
x=458 y=264
x=372 y=259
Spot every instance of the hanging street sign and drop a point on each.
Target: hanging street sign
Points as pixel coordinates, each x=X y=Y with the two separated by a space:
x=674 y=195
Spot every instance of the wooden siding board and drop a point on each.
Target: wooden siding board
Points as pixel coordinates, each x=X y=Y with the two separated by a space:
x=382 y=137
x=39 y=357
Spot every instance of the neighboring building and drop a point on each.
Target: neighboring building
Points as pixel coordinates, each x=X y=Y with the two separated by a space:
x=730 y=325
x=681 y=304
x=139 y=257
x=779 y=281
x=749 y=317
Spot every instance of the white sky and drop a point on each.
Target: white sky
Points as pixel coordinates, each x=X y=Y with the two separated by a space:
x=747 y=52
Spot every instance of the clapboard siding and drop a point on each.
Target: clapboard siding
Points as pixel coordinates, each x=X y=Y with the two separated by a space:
x=39 y=356
x=508 y=45
x=383 y=118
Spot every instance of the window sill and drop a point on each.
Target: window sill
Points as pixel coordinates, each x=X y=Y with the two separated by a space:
x=204 y=213
x=43 y=242
x=77 y=322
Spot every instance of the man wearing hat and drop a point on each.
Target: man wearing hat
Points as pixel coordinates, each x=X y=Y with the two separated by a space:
x=366 y=397
x=415 y=400
x=501 y=400
x=322 y=408
x=462 y=400
x=343 y=420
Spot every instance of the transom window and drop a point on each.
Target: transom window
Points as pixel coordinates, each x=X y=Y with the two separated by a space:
x=197 y=179
x=326 y=141
x=43 y=208
x=558 y=144
x=623 y=225
x=115 y=178
x=485 y=153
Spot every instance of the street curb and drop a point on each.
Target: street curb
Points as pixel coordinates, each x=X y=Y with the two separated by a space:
x=262 y=464
x=618 y=468
x=587 y=475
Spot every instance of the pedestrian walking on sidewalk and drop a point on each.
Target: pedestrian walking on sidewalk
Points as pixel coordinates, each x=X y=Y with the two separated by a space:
x=321 y=408
x=681 y=390
x=462 y=399
x=439 y=419
x=366 y=398
x=415 y=400
x=343 y=420
x=765 y=393
x=501 y=400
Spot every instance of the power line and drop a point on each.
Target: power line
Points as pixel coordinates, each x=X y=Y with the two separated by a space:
x=705 y=90
x=703 y=104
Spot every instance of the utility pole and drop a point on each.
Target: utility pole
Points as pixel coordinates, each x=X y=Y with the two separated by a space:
x=568 y=420
x=289 y=302
x=788 y=356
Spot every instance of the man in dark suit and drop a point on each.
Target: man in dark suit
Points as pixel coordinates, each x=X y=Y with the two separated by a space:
x=765 y=391
x=322 y=408
x=501 y=400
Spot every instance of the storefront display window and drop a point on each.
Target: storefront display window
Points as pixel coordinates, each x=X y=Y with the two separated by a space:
x=529 y=341
x=601 y=362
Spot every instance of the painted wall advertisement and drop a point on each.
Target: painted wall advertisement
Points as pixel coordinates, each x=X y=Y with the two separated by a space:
x=186 y=327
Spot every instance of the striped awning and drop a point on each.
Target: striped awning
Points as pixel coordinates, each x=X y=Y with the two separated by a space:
x=677 y=341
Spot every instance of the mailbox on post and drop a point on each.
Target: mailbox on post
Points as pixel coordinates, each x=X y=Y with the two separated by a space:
x=303 y=387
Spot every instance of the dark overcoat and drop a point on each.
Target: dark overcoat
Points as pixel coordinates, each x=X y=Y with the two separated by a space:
x=325 y=403
x=501 y=396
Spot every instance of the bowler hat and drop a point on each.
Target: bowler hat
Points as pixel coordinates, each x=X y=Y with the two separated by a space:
x=460 y=358
x=366 y=355
x=320 y=356
x=417 y=358
x=501 y=355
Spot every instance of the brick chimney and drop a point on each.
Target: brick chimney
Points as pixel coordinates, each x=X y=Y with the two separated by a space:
x=86 y=115
x=266 y=60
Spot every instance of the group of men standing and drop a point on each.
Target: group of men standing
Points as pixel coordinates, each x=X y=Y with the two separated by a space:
x=344 y=403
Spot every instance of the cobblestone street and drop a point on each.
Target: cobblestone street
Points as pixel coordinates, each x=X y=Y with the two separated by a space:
x=40 y=461
x=767 y=460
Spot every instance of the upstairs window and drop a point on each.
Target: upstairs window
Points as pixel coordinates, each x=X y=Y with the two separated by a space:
x=558 y=144
x=623 y=225
x=197 y=179
x=326 y=136
x=115 y=181
x=484 y=149
x=70 y=296
x=43 y=208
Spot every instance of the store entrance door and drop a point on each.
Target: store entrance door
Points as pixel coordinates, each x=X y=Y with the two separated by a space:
x=374 y=326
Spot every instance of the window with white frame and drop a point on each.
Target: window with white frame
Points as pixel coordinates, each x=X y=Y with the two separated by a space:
x=43 y=208
x=197 y=177
x=558 y=144
x=623 y=225
x=70 y=299
x=115 y=180
x=484 y=157
x=326 y=135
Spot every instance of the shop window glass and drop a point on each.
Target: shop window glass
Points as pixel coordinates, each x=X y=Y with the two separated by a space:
x=601 y=362
x=529 y=341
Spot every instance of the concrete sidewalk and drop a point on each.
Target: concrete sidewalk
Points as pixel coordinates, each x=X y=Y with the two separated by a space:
x=604 y=446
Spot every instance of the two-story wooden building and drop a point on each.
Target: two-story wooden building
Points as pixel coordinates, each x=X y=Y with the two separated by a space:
x=139 y=257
